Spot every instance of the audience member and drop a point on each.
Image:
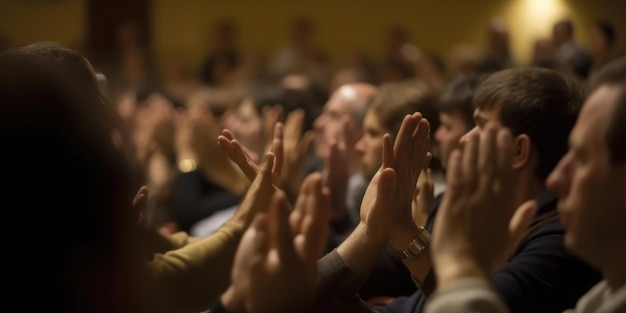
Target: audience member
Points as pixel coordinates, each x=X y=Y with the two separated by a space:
x=568 y=51
x=602 y=38
x=538 y=266
x=590 y=180
x=77 y=191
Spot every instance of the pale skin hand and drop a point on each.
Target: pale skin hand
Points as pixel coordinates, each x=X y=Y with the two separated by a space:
x=336 y=176
x=270 y=116
x=477 y=224
x=423 y=197
x=258 y=196
x=245 y=162
x=296 y=149
x=278 y=254
x=387 y=201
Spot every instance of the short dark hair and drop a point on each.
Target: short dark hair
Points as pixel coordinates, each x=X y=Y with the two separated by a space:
x=538 y=102
x=459 y=94
x=614 y=74
x=396 y=99
x=289 y=99
x=72 y=60
x=607 y=30
x=569 y=26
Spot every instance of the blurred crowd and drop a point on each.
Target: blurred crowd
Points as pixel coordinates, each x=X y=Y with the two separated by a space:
x=289 y=183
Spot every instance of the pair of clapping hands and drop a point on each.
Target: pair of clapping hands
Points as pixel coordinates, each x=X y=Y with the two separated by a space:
x=279 y=252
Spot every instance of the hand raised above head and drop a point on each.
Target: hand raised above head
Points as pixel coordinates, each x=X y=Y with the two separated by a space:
x=478 y=221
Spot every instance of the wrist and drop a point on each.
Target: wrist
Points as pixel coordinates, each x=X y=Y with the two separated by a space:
x=403 y=235
x=231 y=302
x=455 y=270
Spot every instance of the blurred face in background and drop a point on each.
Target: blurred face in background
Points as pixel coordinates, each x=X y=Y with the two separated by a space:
x=370 y=146
x=247 y=127
x=449 y=133
x=329 y=125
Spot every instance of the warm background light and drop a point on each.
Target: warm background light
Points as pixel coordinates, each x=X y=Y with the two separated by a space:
x=343 y=26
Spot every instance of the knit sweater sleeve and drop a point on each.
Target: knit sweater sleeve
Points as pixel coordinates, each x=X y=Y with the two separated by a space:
x=196 y=274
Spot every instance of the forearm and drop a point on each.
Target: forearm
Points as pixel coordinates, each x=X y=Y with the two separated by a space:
x=419 y=266
x=198 y=273
x=361 y=249
x=466 y=295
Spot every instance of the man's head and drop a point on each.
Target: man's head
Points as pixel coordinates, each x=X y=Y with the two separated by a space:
x=385 y=114
x=539 y=106
x=346 y=105
x=591 y=177
x=562 y=32
x=456 y=113
x=601 y=39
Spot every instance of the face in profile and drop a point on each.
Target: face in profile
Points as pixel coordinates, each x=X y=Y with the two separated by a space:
x=329 y=125
x=370 y=146
x=449 y=133
x=247 y=127
x=591 y=190
x=481 y=118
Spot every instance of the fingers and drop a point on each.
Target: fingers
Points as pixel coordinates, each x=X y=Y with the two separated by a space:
x=258 y=236
x=280 y=232
x=311 y=240
x=521 y=219
x=385 y=194
x=388 y=152
x=300 y=210
x=139 y=201
x=504 y=157
x=454 y=175
x=469 y=164
x=237 y=154
x=293 y=123
x=278 y=150
x=421 y=142
x=268 y=165
x=429 y=157
x=403 y=138
x=487 y=160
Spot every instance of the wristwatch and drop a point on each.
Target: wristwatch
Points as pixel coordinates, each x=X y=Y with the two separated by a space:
x=416 y=246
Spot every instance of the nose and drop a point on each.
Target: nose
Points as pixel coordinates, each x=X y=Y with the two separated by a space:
x=318 y=124
x=559 y=179
x=472 y=132
x=439 y=134
x=359 y=146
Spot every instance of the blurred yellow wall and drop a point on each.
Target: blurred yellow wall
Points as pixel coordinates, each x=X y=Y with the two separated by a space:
x=26 y=21
x=343 y=25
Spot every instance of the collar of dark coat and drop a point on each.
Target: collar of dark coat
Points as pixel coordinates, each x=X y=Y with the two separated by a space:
x=546 y=215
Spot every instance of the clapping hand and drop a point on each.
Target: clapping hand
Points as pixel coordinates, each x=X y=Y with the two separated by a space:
x=477 y=222
x=275 y=267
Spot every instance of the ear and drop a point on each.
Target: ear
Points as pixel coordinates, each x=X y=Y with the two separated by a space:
x=523 y=147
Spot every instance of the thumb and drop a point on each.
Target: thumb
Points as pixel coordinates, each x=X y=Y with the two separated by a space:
x=518 y=225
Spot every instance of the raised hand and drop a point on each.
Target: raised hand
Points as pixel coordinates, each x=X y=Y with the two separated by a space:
x=259 y=193
x=278 y=254
x=423 y=196
x=296 y=149
x=407 y=158
x=336 y=176
x=477 y=221
x=238 y=154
